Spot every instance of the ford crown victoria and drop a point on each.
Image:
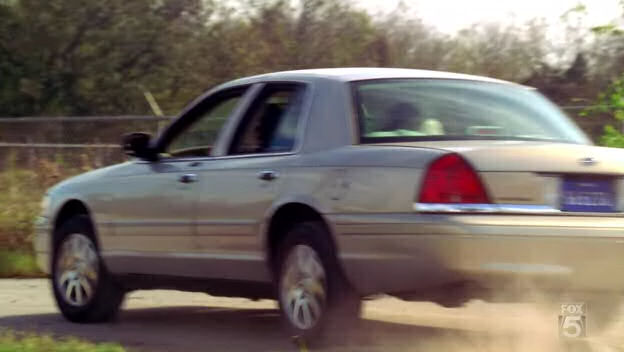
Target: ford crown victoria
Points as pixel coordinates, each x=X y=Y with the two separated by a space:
x=321 y=187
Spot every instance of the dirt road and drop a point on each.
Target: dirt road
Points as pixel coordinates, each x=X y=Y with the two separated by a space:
x=178 y=321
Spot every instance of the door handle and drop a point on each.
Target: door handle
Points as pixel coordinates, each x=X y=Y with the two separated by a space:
x=188 y=178
x=268 y=175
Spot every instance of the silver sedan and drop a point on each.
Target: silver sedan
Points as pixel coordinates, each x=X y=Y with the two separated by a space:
x=320 y=187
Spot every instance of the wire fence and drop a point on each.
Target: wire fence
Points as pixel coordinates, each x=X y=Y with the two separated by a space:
x=90 y=141
x=71 y=141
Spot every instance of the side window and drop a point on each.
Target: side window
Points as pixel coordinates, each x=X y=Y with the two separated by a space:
x=270 y=124
x=198 y=138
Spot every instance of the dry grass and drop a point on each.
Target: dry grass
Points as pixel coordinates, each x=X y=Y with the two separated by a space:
x=21 y=191
x=10 y=341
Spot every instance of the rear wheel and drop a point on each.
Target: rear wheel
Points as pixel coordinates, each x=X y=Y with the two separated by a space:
x=313 y=294
x=83 y=289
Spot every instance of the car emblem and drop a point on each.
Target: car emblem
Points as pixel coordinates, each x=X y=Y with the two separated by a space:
x=589 y=161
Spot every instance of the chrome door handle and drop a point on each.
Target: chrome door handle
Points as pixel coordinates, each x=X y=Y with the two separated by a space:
x=188 y=178
x=268 y=175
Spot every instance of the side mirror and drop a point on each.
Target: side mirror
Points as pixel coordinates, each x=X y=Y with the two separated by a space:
x=137 y=145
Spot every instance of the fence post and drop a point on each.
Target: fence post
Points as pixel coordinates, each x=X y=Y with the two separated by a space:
x=31 y=156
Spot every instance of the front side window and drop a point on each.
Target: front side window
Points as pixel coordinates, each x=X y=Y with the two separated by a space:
x=271 y=123
x=198 y=138
x=445 y=109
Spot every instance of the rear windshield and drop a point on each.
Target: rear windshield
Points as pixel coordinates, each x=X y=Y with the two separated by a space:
x=397 y=110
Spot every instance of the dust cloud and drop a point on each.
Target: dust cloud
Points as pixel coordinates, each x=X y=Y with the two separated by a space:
x=181 y=321
x=391 y=325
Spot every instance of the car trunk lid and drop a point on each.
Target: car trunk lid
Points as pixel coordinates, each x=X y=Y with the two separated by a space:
x=568 y=177
x=531 y=156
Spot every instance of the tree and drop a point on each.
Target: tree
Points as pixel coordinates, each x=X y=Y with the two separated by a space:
x=511 y=52
x=75 y=57
x=578 y=70
x=89 y=57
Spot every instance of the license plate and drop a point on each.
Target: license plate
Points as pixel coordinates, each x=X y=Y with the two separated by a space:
x=583 y=194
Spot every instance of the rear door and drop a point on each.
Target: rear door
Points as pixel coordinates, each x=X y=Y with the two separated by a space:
x=239 y=187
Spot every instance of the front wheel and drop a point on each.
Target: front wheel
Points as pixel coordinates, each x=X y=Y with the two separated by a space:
x=313 y=294
x=83 y=289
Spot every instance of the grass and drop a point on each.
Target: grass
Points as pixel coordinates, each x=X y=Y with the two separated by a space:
x=21 y=191
x=11 y=342
x=20 y=194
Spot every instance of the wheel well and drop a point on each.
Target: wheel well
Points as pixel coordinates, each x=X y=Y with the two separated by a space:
x=283 y=220
x=68 y=210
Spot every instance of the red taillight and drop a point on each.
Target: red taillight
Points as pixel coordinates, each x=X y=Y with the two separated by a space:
x=450 y=179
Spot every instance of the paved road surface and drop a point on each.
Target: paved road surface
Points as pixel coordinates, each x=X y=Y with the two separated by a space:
x=178 y=321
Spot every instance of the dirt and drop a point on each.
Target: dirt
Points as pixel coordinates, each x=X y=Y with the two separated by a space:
x=179 y=321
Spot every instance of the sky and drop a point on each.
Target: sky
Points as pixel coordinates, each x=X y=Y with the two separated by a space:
x=452 y=15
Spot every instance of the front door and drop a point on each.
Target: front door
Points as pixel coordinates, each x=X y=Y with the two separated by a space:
x=154 y=209
x=156 y=204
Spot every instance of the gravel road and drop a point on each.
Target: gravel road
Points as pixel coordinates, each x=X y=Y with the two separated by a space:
x=179 y=321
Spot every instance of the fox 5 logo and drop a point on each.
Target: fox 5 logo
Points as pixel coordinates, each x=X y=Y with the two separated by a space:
x=572 y=320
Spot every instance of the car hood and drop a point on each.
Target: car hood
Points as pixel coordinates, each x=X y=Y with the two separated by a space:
x=92 y=175
x=532 y=156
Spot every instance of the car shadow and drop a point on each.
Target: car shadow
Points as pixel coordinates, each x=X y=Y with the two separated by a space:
x=259 y=330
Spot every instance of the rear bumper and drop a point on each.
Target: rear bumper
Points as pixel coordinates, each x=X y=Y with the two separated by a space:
x=410 y=252
x=42 y=244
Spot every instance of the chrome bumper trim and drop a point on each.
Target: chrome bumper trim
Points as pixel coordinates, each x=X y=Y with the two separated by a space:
x=485 y=208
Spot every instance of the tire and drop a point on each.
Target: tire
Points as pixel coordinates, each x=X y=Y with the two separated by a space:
x=76 y=262
x=338 y=306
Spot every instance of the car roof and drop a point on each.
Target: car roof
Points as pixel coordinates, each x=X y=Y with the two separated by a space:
x=347 y=74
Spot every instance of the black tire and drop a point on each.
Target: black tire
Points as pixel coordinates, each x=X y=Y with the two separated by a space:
x=342 y=305
x=108 y=295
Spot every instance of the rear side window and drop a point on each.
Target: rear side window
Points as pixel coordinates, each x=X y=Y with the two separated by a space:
x=446 y=109
x=271 y=123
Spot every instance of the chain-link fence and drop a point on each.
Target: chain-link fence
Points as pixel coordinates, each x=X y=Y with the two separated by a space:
x=89 y=142
x=71 y=141
x=38 y=152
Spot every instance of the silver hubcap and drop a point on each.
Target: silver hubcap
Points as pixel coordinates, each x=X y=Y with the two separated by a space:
x=302 y=288
x=77 y=270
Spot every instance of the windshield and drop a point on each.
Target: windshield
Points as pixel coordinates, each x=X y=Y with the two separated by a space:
x=431 y=109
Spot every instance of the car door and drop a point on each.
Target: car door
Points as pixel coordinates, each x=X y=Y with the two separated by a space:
x=156 y=204
x=238 y=189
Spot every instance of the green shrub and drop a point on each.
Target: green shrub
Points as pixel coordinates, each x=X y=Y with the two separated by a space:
x=611 y=102
x=18 y=264
x=612 y=137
